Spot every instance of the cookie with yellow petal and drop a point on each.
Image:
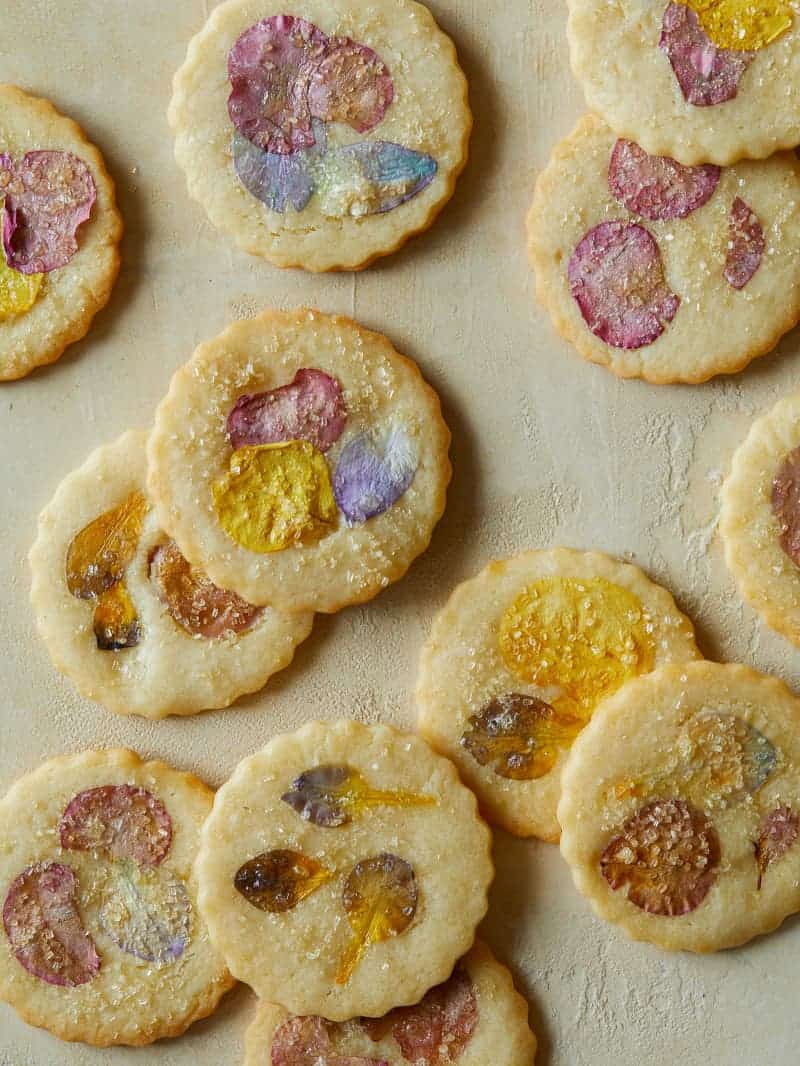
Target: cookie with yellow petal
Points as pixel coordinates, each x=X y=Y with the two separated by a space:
x=102 y=939
x=330 y=866
x=300 y=461
x=123 y=613
x=703 y=81
x=60 y=232
x=517 y=661
x=325 y=135
x=680 y=807
x=661 y=271
x=476 y=1016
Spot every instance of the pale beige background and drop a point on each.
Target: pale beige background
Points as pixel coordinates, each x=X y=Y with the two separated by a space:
x=547 y=450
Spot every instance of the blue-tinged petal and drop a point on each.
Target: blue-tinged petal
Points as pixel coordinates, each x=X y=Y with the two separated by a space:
x=371 y=177
x=279 y=181
x=372 y=475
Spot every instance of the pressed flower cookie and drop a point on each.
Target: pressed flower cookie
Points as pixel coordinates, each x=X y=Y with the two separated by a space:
x=123 y=613
x=323 y=135
x=680 y=810
x=760 y=517
x=60 y=231
x=704 y=81
x=661 y=271
x=300 y=461
x=102 y=940
x=343 y=870
x=518 y=659
x=475 y=1017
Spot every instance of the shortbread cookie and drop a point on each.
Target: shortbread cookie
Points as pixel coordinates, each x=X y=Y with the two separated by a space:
x=343 y=870
x=476 y=1017
x=760 y=517
x=517 y=661
x=660 y=271
x=123 y=613
x=680 y=811
x=704 y=81
x=60 y=231
x=300 y=461
x=325 y=135
x=102 y=940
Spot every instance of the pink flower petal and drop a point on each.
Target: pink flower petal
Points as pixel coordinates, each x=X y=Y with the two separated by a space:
x=120 y=821
x=786 y=503
x=657 y=187
x=352 y=85
x=617 y=278
x=438 y=1029
x=310 y=408
x=307 y=1042
x=706 y=74
x=746 y=244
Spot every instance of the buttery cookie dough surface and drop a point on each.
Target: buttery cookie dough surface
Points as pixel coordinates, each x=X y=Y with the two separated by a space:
x=680 y=810
x=343 y=870
x=125 y=616
x=517 y=661
x=61 y=229
x=473 y=1018
x=300 y=461
x=102 y=940
x=321 y=134
x=701 y=81
x=660 y=271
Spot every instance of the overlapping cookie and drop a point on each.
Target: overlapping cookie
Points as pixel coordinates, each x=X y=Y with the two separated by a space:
x=300 y=461
x=60 y=231
x=475 y=1017
x=102 y=940
x=760 y=517
x=123 y=613
x=661 y=271
x=323 y=135
x=343 y=870
x=680 y=810
x=703 y=81
x=517 y=661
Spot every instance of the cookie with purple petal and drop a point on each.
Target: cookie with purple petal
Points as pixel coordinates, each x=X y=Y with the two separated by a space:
x=325 y=137
x=662 y=271
x=300 y=461
x=101 y=937
x=701 y=81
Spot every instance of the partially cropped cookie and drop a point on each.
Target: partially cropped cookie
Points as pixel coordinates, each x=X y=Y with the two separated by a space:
x=517 y=661
x=323 y=135
x=343 y=870
x=660 y=271
x=680 y=811
x=102 y=940
x=300 y=460
x=60 y=231
x=705 y=81
x=475 y=1017
x=123 y=613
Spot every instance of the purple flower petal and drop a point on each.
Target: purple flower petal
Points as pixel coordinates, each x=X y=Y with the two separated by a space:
x=657 y=187
x=706 y=74
x=279 y=181
x=310 y=408
x=369 y=479
x=146 y=912
x=746 y=244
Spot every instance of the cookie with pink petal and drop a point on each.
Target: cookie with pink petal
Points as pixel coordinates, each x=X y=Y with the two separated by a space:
x=663 y=271
x=323 y=137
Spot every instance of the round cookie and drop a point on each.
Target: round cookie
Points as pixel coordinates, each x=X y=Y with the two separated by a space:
x=664 y=272
x=324 y=134
x=60 y=232
x=760 y=517
x=519 y=657
x=102 y=940
x=474 y=1018
x=343 y=870
x=698 y=80
x=300 y=461
x=124 y=615
x=681 y=807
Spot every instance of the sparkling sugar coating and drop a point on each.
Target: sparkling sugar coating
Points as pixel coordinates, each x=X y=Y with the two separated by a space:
x=373 y=472
x=657 y=187
x=146 y=912
x=311 y=407
x=100 y=554
x=380 y=900
x=785 y=502
x=728 y=757
x=278 y=880
x=520 y=737
x=330 y=796
x=746 y=244
x=308 y=1042
x=119 y=822
x=585 y=637
x=616 y=277
x=667 y=855
x=707 y=75
x=778 y=832
x=44 y=927
x=275 y=496
x=743 y=25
